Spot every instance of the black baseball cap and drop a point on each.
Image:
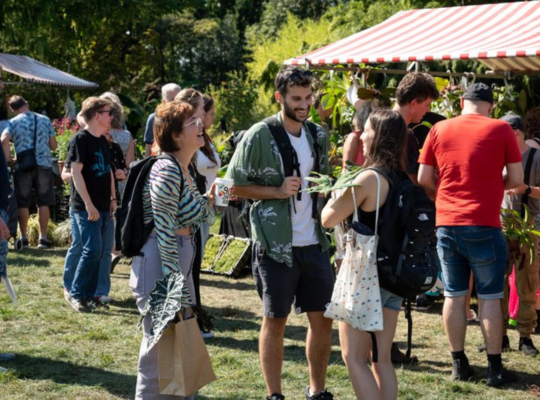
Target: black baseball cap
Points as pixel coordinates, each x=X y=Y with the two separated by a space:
x=479 y=91
x=515 y=121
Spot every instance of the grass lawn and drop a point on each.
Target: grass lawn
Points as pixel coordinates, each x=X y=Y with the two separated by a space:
x=65 y=355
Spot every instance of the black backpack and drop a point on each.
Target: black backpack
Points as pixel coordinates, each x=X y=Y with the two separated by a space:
x=406 y=251
x=131 y=232
x=289 y=156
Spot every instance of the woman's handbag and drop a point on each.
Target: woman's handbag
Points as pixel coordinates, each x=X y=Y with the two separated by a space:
x=26 y=160
x=184 y=363
x=356 y=298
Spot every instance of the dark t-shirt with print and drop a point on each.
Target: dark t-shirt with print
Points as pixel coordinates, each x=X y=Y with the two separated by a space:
x=94 y=154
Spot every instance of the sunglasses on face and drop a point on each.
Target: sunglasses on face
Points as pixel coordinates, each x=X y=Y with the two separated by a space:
x=105 y=112
x=196 y=121
x=295 y=76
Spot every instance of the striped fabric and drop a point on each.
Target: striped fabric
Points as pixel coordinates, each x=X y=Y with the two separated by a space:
x=170 y=211
x=504 y=37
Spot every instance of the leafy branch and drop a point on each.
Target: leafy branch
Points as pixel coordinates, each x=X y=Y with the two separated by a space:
x=518 y=232
x=323 y=183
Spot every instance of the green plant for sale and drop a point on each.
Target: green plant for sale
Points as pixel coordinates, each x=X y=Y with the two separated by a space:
x=32 y=231
x=65 y=129
x=231 y=255
x=211 y=250
x=518 y=232
x=62 y=233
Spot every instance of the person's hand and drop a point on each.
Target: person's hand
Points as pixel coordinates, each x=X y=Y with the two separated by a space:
x=4 y=230
x=211 y=194
x=120 y=174
x=289 y=187
x=516 y=191
x=93 y=213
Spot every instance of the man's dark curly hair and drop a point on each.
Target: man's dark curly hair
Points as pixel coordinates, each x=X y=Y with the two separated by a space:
x=417 y=86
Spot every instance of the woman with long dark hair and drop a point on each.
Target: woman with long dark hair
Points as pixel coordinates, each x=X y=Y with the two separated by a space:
x=384 y=142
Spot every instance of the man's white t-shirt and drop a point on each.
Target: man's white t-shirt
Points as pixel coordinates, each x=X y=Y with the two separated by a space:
x=303 y=224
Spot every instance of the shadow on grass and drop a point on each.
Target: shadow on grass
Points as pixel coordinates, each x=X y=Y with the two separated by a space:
x=39 y=368
x=227 y=283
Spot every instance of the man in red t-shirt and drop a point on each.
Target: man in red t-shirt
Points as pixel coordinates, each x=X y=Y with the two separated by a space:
x=463 y=159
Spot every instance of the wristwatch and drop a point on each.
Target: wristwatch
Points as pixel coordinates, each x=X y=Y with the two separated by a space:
x=528 y=190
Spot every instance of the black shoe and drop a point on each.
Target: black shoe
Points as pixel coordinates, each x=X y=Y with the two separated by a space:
x=324 y=395
x=275 y=396
x=400 y=358
x=79 y=305
x=44 y=244
x=505 y=345
x=527 y=347
x=424 y=303
x=95 y=303
x=500 y=377
x=461 y=370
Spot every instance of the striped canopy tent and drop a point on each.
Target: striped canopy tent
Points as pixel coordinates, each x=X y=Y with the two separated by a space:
x=504 y=37
x=33 y=71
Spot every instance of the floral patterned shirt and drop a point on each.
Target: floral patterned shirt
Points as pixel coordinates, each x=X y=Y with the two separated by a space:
x=257 y=161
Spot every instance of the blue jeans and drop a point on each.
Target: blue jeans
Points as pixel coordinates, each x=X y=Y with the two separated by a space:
x=480 y=249
x=104 y=278
x=73 y=254
x=93 y=234
x=3 y=247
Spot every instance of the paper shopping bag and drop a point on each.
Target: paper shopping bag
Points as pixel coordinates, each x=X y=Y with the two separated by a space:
x=184 y=363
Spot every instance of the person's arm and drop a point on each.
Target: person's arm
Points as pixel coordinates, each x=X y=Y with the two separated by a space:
x=66 y=174
x=80 y=186
x=149 y=135
x=427 y=177
x=336 y=211
x=6 y=138
x=351 y=147
x=52 y=143
x=114 y=201
x=514 y=175
x=290 y=187
x=130 y=155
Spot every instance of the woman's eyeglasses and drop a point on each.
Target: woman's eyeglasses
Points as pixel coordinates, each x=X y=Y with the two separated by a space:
x=196 y=121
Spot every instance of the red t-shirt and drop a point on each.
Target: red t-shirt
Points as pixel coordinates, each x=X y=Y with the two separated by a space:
x=470 y=152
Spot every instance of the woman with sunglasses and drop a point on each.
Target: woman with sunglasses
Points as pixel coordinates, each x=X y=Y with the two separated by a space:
x=171 y=199
x=384 y=142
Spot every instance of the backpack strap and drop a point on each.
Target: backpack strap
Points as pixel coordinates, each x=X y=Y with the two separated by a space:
x=172 y=158
x=537 y=140
x=526 y=179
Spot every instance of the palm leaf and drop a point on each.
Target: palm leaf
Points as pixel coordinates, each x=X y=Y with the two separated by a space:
x=166 y=299
x=323 y=183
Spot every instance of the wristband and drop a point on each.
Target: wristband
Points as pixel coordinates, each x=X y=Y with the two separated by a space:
x=528 y=191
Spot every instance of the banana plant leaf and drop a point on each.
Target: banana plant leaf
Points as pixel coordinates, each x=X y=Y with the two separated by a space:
x=166 y=299
x=323 y=183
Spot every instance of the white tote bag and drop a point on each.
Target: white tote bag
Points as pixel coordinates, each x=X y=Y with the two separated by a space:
x=356 y=298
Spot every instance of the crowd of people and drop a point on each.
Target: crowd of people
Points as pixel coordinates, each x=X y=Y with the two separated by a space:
x=470 y=166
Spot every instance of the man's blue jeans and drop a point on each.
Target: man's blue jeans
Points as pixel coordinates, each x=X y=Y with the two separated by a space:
x=73 y=254
x=104 y=278
x=92 y=234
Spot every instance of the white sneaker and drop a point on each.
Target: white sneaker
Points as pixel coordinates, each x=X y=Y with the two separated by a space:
x=207 y=334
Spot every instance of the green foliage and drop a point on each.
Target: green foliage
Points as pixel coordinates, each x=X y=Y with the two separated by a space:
x=323 y=183
x=519 y=232
x=232 y=258
x=211 y=250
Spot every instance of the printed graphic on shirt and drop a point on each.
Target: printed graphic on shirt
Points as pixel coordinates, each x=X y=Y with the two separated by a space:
x=100 y=166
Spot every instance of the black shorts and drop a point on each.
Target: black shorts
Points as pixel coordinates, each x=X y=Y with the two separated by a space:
x=41 y=180
x=308 y=283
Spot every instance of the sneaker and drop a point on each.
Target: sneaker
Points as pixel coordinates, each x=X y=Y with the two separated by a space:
x=398 y=357
x=500 y=377
x=6 y=356
x=461 y=370
x=324 y=395
x=473 y=319
x=275 y=396
x=505 y=345
x=207 y=334
x=79 y=305
x=44 y=244
x=424 y=303
x=21 y=244
x=526 y=346
x=105 y=299
x=67 y=296
x=95 y=303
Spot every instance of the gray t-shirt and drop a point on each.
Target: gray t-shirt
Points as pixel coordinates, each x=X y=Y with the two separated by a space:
x=514 y=202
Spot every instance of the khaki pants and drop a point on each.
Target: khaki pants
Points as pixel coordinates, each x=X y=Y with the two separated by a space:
x=527 y=283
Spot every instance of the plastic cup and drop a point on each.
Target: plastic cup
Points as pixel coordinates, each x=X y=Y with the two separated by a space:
x=223 y=191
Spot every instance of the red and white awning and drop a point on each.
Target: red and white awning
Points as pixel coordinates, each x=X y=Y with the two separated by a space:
x=504 y=37
x=34 y=71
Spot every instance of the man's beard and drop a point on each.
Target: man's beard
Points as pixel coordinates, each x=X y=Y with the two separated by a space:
x=289 y=113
